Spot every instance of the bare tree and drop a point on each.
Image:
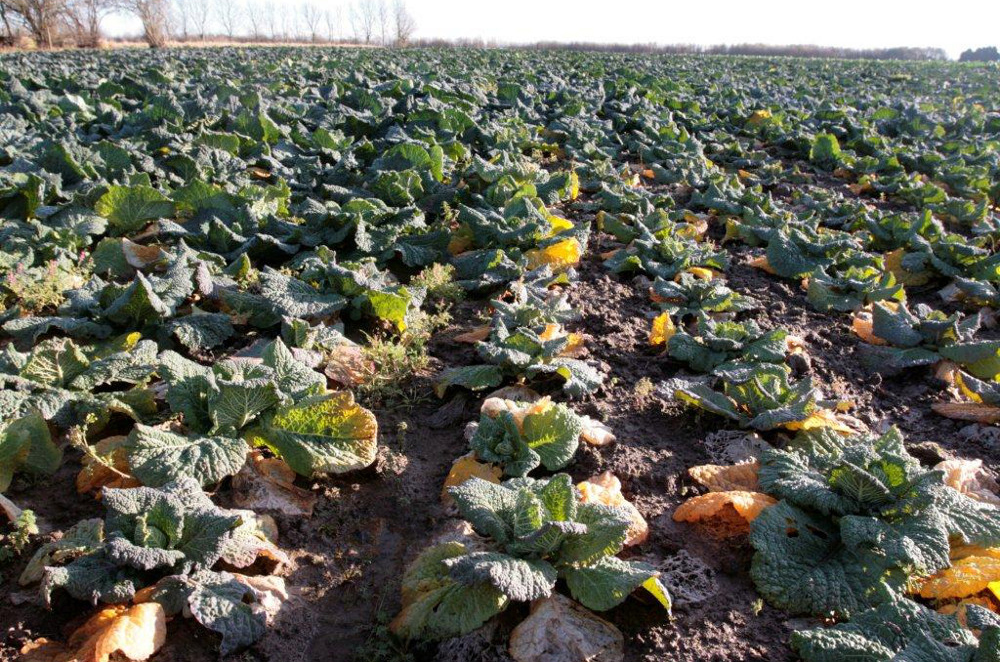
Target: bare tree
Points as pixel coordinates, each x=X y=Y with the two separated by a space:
x=289 y=25
x=364 y=13
x=255 y=19
x=9 y=31
x=382 y=17
x=40 y=18
x=199 y=10
x=182 y=18
x=402 y=22
x=334 y=24
x=311 y=17
x=155 y=18
x=230 y=16
x=85 y=17
x=269 y=17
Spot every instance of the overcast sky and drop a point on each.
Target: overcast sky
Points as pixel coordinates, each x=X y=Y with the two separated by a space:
x=953 y=25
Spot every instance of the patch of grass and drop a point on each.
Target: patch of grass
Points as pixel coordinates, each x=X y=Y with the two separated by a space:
x=18 y=537
x=439 y=280
x=394 y=360
x=643 y=390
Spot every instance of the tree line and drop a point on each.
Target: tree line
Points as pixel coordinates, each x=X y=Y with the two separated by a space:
x=792 y=50
x=65 y=23
x=987 y=54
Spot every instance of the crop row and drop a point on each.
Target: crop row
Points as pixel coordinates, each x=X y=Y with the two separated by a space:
x=204 y=251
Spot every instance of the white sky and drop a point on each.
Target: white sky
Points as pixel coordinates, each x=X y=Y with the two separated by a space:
x=953 y=25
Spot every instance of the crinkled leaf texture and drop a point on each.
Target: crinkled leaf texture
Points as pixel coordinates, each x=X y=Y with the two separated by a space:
x=157 y=456
x=802 y=566
x=172 y=529
x=540 y=527
x=519 y=579
x=435 y=605
x=857 y=515
x=218 y=601
x=898 y=629
x=548 y=437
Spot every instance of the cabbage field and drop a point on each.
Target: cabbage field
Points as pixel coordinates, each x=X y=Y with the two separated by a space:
x=412 y=355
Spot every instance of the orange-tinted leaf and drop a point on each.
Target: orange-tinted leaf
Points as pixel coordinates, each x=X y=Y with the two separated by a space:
x=139 y=256
x=607 y=489
x=111 y=470
x=134 y=633
x=968 y=477
x=493 y=407
x=964 y=578
x=267 y=484
x=517 y=392
x=762 y=264
x=748 y=505
x=977 y=412
x=662 y=330
x=560 y=256
x=347 y=365
x=596 y=433
x=474 y=335
x=861 y=324
x=893 y=262
x=467 y=467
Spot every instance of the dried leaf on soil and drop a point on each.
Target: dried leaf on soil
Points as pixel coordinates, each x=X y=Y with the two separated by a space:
x=969 y=478
x=110 y=470
x=964 y=578
x=133 y=632
x=267 y=484
x=560 y=630
x=723 y=478
x=748 y=505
